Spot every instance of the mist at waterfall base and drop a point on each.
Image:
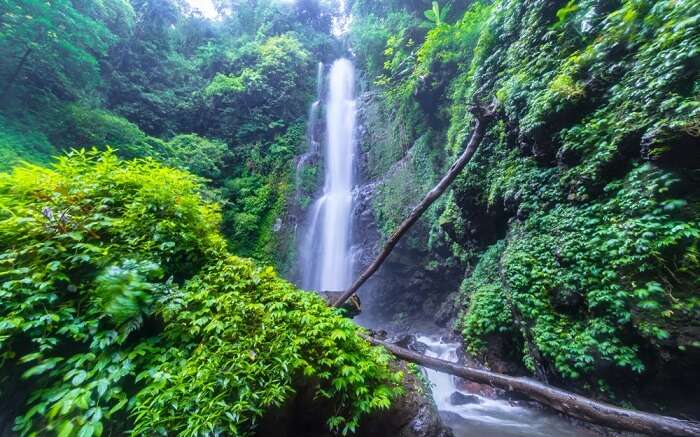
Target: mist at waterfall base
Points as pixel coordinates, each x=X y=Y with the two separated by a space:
x=326 y=263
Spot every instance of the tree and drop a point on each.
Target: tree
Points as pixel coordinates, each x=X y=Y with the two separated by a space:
x=262 y=93
x=52 y=47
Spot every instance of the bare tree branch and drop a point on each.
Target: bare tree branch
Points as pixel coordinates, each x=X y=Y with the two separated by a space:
x=483 y=117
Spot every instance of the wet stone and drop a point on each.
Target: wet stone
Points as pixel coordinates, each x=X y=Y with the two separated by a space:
x=458 y=398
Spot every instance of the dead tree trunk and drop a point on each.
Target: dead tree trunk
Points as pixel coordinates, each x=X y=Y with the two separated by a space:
x=483 y=118
x=563 y=401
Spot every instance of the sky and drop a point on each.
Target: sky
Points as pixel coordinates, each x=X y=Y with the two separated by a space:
x=206 y=7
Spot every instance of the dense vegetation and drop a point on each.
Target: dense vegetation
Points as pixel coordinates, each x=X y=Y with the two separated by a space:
x=577 y=223
x=122 y=310
x=225 y=99
x=147 y=157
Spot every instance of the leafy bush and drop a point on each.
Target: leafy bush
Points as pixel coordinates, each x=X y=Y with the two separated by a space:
x=600 y=259
x=22 y=142
x=489 y=311
x=122 y=310
x=453 y=43
x=201 y=156
x=82 y=126
x=272 y=87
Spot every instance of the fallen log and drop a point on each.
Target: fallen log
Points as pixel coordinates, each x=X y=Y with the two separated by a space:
x=483 y=117
x=563 y=401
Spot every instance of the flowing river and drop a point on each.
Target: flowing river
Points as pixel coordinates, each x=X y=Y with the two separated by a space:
x=326 y=265
x=474 y=415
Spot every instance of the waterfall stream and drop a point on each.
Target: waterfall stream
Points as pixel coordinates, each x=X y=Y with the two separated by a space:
x=326 y=264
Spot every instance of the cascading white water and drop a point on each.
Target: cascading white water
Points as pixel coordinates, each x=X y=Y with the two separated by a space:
x=340 y=144
x=482 y=416
x=325 y=253
x=311 y=139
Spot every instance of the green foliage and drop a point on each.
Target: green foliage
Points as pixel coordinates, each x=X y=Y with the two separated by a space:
x=84 y=127
x=401 y=146
x=222 y=98
x=123 y=311
x=272 y=88
x=22 y=141
x=257 y=194
x=631 y=272
x=56 y=44
x=199 y=155
x=370 y=36
x=488 y=309
x=409 y=180
x=565 y=12
x=279 y=332
x=453 y=43
x=124 y=291
x=578 y=211
x=634 y=239
x=437 y=15
x=308 y=181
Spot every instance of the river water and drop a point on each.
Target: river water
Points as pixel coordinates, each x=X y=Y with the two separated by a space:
x=474 y=415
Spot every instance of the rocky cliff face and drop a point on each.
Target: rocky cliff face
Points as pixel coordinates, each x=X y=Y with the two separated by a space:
x=571 y=239
x=415 y=289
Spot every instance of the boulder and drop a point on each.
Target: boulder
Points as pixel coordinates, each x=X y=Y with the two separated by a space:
x=459 y=398
x=483 y=390
x=412 y=415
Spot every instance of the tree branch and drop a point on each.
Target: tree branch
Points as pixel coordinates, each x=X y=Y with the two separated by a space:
x=483 y=116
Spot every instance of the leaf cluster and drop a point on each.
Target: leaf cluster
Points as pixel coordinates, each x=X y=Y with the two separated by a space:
x=122 y=311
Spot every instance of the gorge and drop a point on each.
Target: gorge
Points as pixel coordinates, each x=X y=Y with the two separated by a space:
x=510 y=186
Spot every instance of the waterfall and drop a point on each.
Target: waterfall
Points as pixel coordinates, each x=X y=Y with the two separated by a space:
x=325 y=252
x=312 y=126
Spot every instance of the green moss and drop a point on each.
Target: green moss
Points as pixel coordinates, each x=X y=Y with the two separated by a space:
x=410 y=179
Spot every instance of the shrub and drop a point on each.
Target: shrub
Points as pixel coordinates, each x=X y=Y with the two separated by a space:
x=22 y=142
x=82 y=126
x=201 y=156
x=123 y=311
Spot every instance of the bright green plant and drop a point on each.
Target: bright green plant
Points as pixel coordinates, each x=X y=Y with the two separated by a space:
x=123 y=311
x=199 y=155
x=436 y=15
